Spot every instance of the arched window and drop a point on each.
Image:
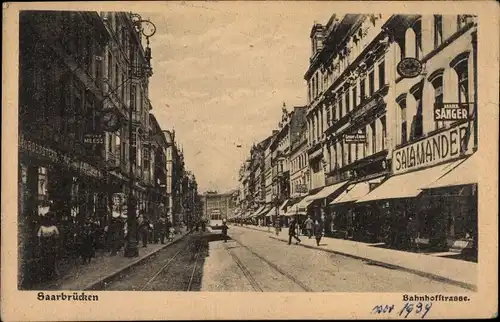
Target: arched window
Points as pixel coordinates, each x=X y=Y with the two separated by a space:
x=401 y=100
x=436 y=79
x=417 y=125
x=461 y=67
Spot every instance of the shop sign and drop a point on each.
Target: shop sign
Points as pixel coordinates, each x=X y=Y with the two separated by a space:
x=359 y=137
x=55 y=157
x=93 y=138
x=409 y=67
x=441 y=147
x=451 y=111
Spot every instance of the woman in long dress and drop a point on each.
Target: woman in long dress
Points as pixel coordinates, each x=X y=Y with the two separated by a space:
x=48 y=236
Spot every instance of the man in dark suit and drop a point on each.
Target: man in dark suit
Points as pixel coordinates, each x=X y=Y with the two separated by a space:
x=292 y=232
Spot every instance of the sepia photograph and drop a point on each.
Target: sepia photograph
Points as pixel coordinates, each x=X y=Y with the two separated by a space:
x=230 y=147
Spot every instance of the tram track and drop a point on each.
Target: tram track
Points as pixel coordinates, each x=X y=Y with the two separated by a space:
x=277 y=269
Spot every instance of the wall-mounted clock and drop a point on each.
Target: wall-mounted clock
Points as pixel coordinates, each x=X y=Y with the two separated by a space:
x=110 y=121
x=148 y=28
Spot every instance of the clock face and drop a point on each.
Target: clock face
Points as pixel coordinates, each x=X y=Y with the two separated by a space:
x=148 y=29
x=110 y=120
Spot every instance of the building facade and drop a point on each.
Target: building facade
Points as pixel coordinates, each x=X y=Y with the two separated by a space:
x=368 y=126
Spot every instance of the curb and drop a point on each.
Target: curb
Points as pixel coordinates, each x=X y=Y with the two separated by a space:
x=96 y=286
x=432 y=276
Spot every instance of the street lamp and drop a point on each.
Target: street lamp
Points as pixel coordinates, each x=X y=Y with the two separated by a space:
x=148 y=29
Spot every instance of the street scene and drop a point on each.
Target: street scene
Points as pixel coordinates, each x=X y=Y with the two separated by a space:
x=196 y=153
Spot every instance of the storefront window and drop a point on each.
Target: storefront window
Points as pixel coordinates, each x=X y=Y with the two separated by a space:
x=42 y=184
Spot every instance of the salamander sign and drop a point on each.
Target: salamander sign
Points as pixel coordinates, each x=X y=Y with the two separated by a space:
x=441 y=147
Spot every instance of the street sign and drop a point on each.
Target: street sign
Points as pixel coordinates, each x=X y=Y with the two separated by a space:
x=93 y=138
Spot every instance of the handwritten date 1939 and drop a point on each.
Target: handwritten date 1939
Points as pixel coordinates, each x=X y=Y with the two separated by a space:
x=417 y=309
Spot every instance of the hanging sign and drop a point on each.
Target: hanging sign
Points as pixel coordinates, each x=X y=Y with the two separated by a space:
x=409 y=67
x=451 y=111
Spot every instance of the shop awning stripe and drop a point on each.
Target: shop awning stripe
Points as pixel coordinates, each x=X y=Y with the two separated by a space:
x=463 y=174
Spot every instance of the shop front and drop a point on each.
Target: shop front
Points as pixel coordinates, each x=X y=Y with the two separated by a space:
x=425 y=204
x=50 y=179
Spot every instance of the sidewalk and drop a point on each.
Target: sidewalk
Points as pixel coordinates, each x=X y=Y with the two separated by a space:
x=452 y=271
x=102 y=268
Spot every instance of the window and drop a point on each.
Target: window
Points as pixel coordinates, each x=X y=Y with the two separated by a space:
x=371 y=82
x=437 y=83
x=110 y=142
x=133 y=103
x=384 y=133
x=404 y=130
x=362 y=90
x=347 y=103
x=417 y=126
x=341 y=108
x=117 y=76
x=341 y=155
x=381 y=74
x=417 y=27
x=374 y=137
x=463 y=82
x=354 y=97
x=118 y=145
x=123 y=87
x=438 y=30
x=110 y=67
x=42 y=183
x=349 y=161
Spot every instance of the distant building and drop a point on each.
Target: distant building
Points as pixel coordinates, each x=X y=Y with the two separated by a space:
x=219 y=206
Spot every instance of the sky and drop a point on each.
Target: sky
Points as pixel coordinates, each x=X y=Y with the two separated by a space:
x=221 y=74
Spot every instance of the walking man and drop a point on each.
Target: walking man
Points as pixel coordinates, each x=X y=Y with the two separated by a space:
x=309 y=226
x=224 y=230
x=318 y=231
x=292 y=232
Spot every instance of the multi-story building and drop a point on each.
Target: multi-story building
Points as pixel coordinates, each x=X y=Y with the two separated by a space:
x=299 y=169
x=175 y=174
x=219 y=206
x=370 y=126
x=126 y=71
x=157 y=192
x=60 y=94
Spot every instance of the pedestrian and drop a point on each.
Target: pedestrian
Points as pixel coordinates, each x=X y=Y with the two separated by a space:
x=277 y=227
x=161 y=229
x=171 y=233
x=86 y=242
x=292 y=232
x=412 y=233
x=224 y=230
x=318 y=231
x=48 y=237
x=144 y=231
x=308 y=224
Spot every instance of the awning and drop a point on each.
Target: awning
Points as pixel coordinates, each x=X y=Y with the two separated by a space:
x=271 y=212
x=281 y=209
x=326 y=191
x=256 y=212
x=463 y=174
x=407 y=185
x=300 y=207
x=355 y=191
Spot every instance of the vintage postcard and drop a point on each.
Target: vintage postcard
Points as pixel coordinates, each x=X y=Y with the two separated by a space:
x=249 y=160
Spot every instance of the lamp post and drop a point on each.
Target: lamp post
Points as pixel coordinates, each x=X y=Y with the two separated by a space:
x=148 y=29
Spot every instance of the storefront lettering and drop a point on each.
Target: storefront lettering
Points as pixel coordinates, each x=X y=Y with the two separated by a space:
x=57 y=158
x=443 y=146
